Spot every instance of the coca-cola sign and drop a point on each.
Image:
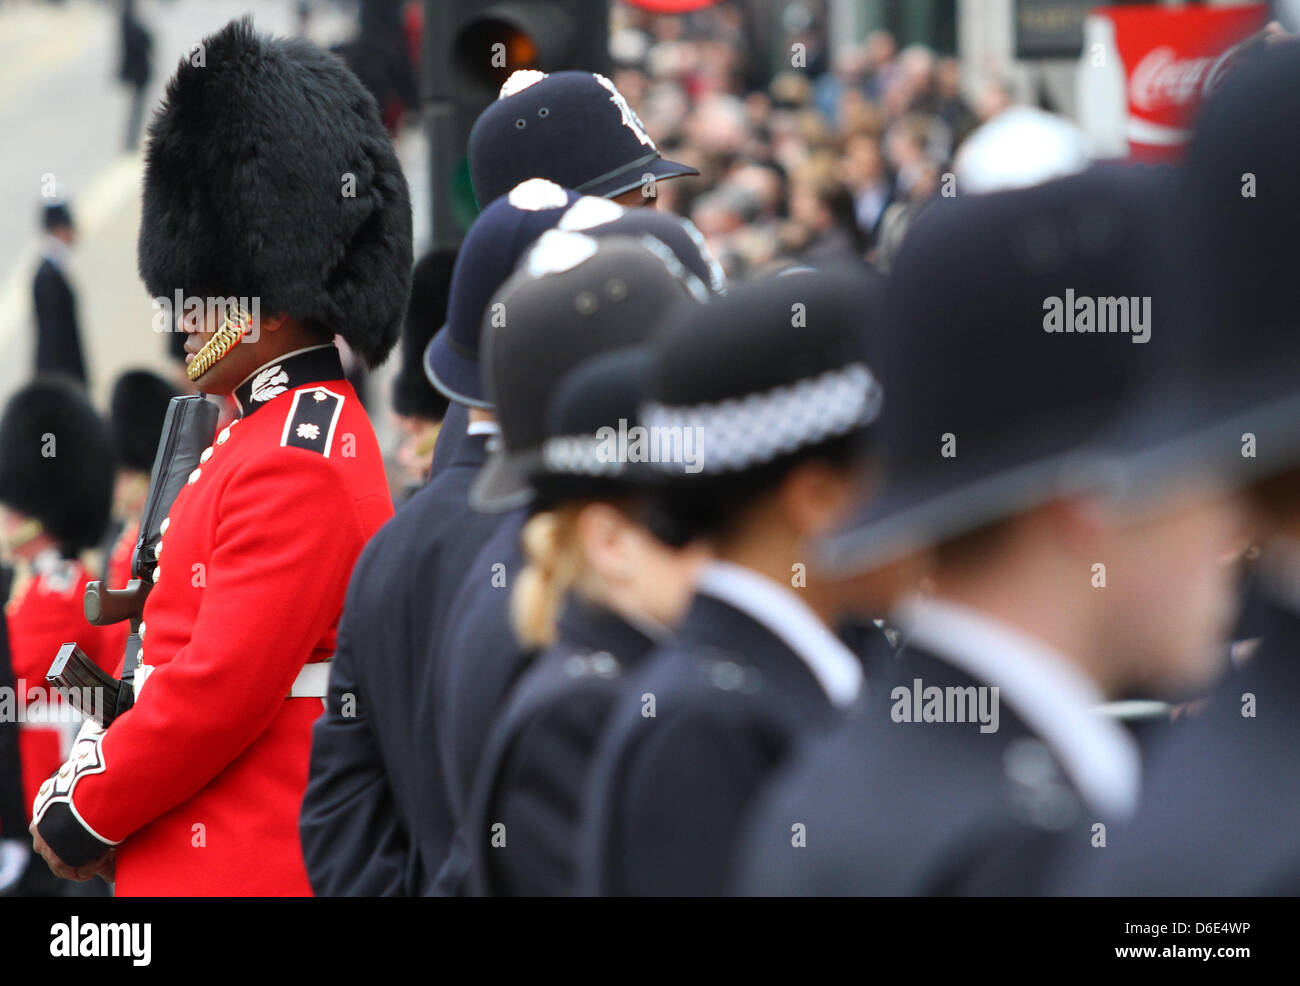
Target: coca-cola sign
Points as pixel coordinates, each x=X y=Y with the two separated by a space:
x=1163 y=79
x=1171 y=59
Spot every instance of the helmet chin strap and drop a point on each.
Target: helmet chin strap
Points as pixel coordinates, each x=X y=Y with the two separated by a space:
x=221 y=343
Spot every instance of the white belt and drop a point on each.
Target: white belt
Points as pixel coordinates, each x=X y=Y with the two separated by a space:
x=313 y=680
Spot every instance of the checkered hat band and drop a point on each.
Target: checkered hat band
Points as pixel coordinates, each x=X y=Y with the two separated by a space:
x=580 y=455
x=740 y=433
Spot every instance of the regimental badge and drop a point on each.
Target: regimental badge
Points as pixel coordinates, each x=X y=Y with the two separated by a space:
x=629 y=117
x=312 y=417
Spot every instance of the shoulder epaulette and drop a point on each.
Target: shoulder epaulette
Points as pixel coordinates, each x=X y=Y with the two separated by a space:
x=312 y=417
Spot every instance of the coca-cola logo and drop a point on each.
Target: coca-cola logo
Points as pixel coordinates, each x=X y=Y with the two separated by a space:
x=1163 y=79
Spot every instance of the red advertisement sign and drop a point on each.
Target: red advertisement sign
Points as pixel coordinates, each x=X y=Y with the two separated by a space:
x=1171 y=60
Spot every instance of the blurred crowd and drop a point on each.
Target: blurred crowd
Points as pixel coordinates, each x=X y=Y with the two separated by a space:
x=825 y=159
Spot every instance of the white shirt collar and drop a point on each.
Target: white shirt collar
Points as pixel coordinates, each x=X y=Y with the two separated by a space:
x=1047 y=690
x=482 y=428
x=787 y=616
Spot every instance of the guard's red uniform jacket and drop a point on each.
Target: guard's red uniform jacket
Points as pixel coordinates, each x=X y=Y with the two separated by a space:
x=199 y=784
x=44 y=614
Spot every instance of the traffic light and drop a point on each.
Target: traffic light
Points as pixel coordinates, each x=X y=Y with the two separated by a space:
x=471 y=47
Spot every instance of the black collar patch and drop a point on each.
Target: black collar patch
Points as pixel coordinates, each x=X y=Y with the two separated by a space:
x=312 y=419
x=317 y=364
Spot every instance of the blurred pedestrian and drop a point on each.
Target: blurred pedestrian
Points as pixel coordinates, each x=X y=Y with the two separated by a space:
x=134 y=68
x=58 y=332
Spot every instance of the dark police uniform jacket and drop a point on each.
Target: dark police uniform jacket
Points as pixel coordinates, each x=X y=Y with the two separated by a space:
x=1222 y=794
x=376 y=818
x=523 y=817
x=58 y=343
x=750 y=671
x=476 y=663
x=896 y=804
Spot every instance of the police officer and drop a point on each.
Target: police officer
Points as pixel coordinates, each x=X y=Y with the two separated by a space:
x=778 y=419
x=196 y=790
x=480 y=657
x=1050 y=594
x=574 y=129
x=597 y=593
x=375 y=819
x=1218 y=784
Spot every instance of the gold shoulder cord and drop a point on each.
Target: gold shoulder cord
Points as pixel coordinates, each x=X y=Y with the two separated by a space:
x=222 y=342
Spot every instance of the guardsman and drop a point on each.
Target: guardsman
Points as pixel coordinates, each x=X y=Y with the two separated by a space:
x=56 y=485
x=1219 y=785
x=1051 y=593
x=417 y=405
x=771 y=387
x=269 y=179
x=15 y=849
x=375 y=819
x=136 y=411
x=480 y=657
x=56 y=482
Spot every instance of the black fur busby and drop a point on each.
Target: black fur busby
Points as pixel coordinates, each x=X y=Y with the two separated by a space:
x=270 y=175
x=56 y=462
x=413 y=394
x=137 y=409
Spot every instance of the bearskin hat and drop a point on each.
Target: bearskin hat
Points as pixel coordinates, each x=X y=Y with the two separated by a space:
x=413 y=394
x=137 y=410
x=56 y=462
x=269 y=174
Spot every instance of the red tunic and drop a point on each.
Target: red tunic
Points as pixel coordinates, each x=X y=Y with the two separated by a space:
x=45 y=614
x=201 y=781
x=118 y=571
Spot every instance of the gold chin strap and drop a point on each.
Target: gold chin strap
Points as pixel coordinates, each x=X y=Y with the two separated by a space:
x=222 y=342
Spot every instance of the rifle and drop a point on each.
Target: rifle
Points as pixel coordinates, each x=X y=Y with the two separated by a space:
x=188 y=428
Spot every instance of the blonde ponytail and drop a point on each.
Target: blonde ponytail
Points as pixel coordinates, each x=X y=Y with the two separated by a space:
x=554 y=561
